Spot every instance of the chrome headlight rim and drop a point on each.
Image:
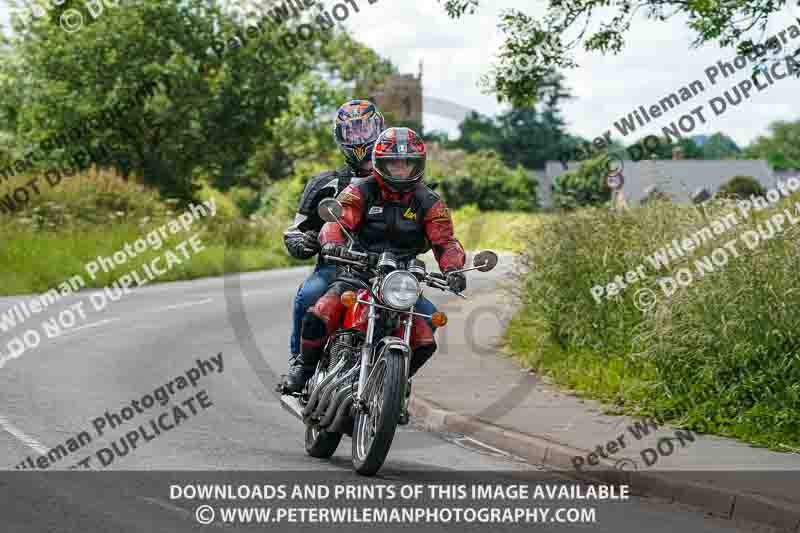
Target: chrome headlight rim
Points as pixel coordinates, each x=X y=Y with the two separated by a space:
x=386 y=294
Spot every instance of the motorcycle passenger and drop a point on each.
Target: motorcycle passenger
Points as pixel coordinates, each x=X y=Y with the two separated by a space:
x=356 y=127
x=392 y=210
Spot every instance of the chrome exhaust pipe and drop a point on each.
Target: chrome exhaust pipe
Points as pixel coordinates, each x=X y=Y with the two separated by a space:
x=312 y=402
x=325 y=395
x=332 y=409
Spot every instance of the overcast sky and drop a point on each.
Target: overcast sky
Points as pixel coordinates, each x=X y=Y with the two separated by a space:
x=657 y=60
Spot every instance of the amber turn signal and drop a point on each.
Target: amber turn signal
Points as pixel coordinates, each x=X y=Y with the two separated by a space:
x=439 y=319
x=349 y=299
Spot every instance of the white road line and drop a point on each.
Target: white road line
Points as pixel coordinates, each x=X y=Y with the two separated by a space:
x=86 y=326
x=175 y=508
x=165 y=505
x=109 y=320
x=484 y=445
x=22 y=437
x=180 y=306
x=105 y=321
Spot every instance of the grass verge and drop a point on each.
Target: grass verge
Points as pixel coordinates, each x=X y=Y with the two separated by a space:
x=720 y=354
x=95 y=214
x=494 y=230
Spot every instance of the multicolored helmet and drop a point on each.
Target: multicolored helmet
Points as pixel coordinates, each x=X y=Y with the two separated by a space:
x=399 y=158
x=356 y=128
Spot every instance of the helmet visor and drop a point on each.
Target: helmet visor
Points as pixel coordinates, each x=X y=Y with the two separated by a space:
x=359 y=131
x=397 y=169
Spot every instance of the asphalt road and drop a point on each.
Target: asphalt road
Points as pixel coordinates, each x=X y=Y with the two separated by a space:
x=50 y=394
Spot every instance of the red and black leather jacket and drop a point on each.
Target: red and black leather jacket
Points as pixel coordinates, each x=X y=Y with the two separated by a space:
x=404 y=223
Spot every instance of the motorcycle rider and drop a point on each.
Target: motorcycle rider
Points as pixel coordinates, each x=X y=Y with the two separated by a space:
x=392 y=210
x=355 y=129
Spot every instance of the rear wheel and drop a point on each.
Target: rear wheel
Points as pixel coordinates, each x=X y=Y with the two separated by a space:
x=320 y=443
x=374 y=430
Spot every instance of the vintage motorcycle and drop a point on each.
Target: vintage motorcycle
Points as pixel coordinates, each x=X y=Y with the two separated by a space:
x=359 y=387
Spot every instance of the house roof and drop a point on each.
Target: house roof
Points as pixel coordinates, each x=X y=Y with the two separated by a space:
x=677 y=178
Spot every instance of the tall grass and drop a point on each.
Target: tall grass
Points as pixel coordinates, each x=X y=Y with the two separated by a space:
x=97 y=213
x=721 y=354
x=495 y=230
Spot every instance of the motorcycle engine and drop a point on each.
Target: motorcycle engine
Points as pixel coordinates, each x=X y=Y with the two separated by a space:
x=342 y=346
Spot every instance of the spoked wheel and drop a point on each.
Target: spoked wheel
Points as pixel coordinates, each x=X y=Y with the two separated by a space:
x=374 y=430
x=320 y=443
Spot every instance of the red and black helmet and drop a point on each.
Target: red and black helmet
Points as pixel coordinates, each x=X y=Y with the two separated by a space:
x=355 y=128
x=399 y=158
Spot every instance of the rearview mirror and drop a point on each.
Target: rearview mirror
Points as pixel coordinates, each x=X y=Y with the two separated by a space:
x=330 y=210
x=485 y=261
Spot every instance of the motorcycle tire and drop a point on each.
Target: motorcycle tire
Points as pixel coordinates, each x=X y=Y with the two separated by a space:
x=373 y=435
x=320 y=443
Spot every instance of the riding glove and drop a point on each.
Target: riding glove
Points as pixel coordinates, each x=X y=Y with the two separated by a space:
x=302 y=245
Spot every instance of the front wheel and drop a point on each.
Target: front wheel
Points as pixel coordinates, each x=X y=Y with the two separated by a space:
x=374 y=430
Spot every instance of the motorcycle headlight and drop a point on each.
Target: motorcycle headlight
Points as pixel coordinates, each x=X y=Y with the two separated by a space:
x=400 y=289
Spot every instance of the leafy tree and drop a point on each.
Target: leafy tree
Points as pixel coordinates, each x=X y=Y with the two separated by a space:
x=439 y=137
x=303 y=131
x=526 y=135
x=741 y=187
x=720 y=146
x=214 y=107
x=717 y=146
x=531 y=138
x=478 y=132
x=208 y=117
x=534 y=45
x=663 y=150
x=781 y=149
x=587 y=185
x=481 y=179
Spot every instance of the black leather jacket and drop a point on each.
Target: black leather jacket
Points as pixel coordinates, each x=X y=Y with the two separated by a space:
x=324 y=185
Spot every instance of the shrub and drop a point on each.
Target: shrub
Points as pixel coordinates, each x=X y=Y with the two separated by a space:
x=246 y=199
x=282 y=197
x=583 y=187
x=226 y=208
x=95 y=213
x=741 y=187
x=91 y=197
x=483 y=180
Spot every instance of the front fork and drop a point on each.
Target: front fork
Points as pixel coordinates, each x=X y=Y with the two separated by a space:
x=366 y=353
x=367 y=348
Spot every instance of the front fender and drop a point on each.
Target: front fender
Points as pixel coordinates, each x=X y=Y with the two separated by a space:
x=393 y=343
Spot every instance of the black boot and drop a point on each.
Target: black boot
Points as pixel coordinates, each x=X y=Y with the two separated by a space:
x=404 y=416
x=304 y=365
x=418 y=358
x=300 y=370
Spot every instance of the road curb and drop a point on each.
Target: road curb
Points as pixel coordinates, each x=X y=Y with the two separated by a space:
x=747 y=509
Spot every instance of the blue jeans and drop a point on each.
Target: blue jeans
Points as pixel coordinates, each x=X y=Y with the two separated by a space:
x=312 y=290
x=309 y=292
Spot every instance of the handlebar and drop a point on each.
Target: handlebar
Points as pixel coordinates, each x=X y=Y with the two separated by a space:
x=431 y=279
